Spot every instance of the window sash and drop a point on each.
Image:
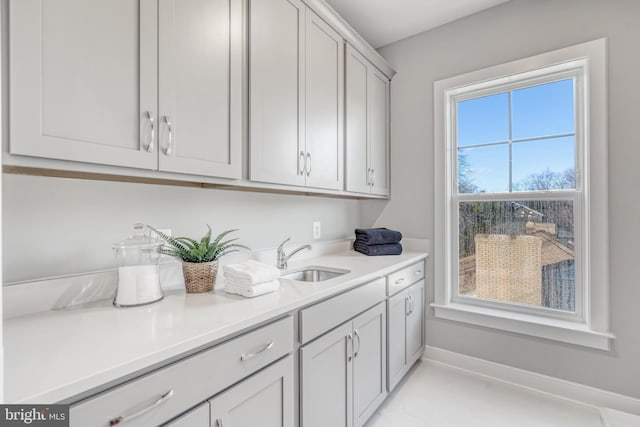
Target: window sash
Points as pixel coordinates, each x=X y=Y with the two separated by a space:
x=572 y=69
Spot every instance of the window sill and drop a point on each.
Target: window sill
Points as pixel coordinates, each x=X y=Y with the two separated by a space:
x=553 y=329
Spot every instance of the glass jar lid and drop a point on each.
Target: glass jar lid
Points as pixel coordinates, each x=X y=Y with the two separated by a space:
x=139 y=240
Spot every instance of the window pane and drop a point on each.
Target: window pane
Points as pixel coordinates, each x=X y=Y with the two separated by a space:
x=519 y=252
x=483 y=120
x=545 y=164
x=543 y=110
x=483 y=169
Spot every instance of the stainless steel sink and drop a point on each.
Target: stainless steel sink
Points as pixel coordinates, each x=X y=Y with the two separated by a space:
x=314 y=274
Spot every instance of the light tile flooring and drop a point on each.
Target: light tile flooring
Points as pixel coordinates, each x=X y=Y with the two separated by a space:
x=437 y=396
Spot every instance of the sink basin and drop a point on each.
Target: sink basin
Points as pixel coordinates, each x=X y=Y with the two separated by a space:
x=314 y=274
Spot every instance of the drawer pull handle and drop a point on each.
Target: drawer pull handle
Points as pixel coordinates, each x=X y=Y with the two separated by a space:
x=400 y=280
x=119 y=420
x=418 y=272
x=246 y=356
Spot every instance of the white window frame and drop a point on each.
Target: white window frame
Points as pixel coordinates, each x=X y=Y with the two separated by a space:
x=589 y=324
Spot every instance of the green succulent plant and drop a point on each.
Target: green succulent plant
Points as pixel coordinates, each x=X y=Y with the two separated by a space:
x=205 y=250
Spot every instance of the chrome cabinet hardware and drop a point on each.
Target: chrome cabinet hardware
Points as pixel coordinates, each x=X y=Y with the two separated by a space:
x=119 y=420
x=308 y=164
x=349 y=354
x=373 y=177
x=219 y=422
x=168 y=148
x=356 y=335
x=418 y=272
x=246 y=356
x=152 y=136
x=400 y=280
x=302 y=165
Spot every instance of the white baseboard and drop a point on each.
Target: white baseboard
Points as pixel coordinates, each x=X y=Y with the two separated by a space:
x=577 y=393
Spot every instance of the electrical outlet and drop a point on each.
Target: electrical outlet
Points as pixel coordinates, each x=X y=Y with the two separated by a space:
x=317 y=230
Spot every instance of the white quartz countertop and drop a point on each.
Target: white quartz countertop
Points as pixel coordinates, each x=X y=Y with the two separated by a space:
x=56 y=355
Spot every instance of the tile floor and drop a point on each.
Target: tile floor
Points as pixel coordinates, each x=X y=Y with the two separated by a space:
x=437 y=396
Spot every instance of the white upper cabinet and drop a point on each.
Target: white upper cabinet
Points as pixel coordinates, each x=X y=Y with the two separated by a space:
x=324 y=104
x=117 y=82
x=367 y=126
x=276 y=91
x=83 y=79
x=200 y=78
x=296 y=68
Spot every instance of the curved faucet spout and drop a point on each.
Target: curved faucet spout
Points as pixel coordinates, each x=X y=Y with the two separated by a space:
x=283 y=258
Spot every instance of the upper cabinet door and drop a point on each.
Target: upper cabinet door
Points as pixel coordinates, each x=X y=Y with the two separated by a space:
x=357 y=166
x=200 y=80
x=83 y=80
x=379 y=132
x=324 y=57
x=276 y=85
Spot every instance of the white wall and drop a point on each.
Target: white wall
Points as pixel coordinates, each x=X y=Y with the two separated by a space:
x=57 y=226
x=511 y=31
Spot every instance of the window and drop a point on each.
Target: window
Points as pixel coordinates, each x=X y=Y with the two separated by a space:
x=521 y=196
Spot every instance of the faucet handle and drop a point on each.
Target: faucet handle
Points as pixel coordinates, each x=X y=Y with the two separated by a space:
x=282 y=244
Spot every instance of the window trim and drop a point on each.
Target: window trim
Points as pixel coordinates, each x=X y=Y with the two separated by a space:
x=591 y=326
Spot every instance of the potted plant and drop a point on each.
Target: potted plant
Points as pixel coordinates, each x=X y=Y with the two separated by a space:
x=199 y=258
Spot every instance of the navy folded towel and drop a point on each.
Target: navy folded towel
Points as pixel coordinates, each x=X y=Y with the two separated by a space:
x=377 y=236
x=375 y=250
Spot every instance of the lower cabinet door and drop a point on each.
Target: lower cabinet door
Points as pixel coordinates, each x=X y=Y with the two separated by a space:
x=197 y=417
x=415 y=323
x=326 y=376
x=265 y=399
x=369 y=363
x=397 y=312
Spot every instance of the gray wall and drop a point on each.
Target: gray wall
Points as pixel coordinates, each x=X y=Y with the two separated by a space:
x=511 y=31
x=56 y=226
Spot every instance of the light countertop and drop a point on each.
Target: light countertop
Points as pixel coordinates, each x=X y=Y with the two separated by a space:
x=57 y=355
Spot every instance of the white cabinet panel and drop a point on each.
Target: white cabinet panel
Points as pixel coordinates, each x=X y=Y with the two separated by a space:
x=357 y=162
x=83 y=77
x=379 y=132
x=265 y=399
x=405 y=331
x=415 y=322
x=324 y=101
x=200 y=115
x=367 y=126
x=396 y=337
x=276 y=85
x=369 y=363
x=326 y=380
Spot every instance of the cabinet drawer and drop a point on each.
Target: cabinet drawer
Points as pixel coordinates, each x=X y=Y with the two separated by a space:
x=172 y=390
x=402 y=278
x=328 y=314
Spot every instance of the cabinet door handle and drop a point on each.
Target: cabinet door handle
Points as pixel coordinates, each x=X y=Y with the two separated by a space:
x=302 y=165
x=119 y=420
x=418 y=272
x=152 y=136
x=411 y=304
x=356 y=335
x=407 y=306
x=246 y=356
x=400 y=280
x=373 y=177
x=219 y=422
x=308 y=164
x=349 y=340
x=369 y=183
x=167 y=149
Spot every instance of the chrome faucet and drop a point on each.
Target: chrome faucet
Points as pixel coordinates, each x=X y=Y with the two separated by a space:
x=282 y=258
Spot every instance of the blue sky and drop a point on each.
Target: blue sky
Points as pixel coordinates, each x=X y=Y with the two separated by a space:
x=537 y=111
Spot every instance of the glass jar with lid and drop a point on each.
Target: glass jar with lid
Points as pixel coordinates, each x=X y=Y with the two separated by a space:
x=138 y=269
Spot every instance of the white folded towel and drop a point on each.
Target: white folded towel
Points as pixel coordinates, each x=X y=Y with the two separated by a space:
x=250 y=272
x=253 y=290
